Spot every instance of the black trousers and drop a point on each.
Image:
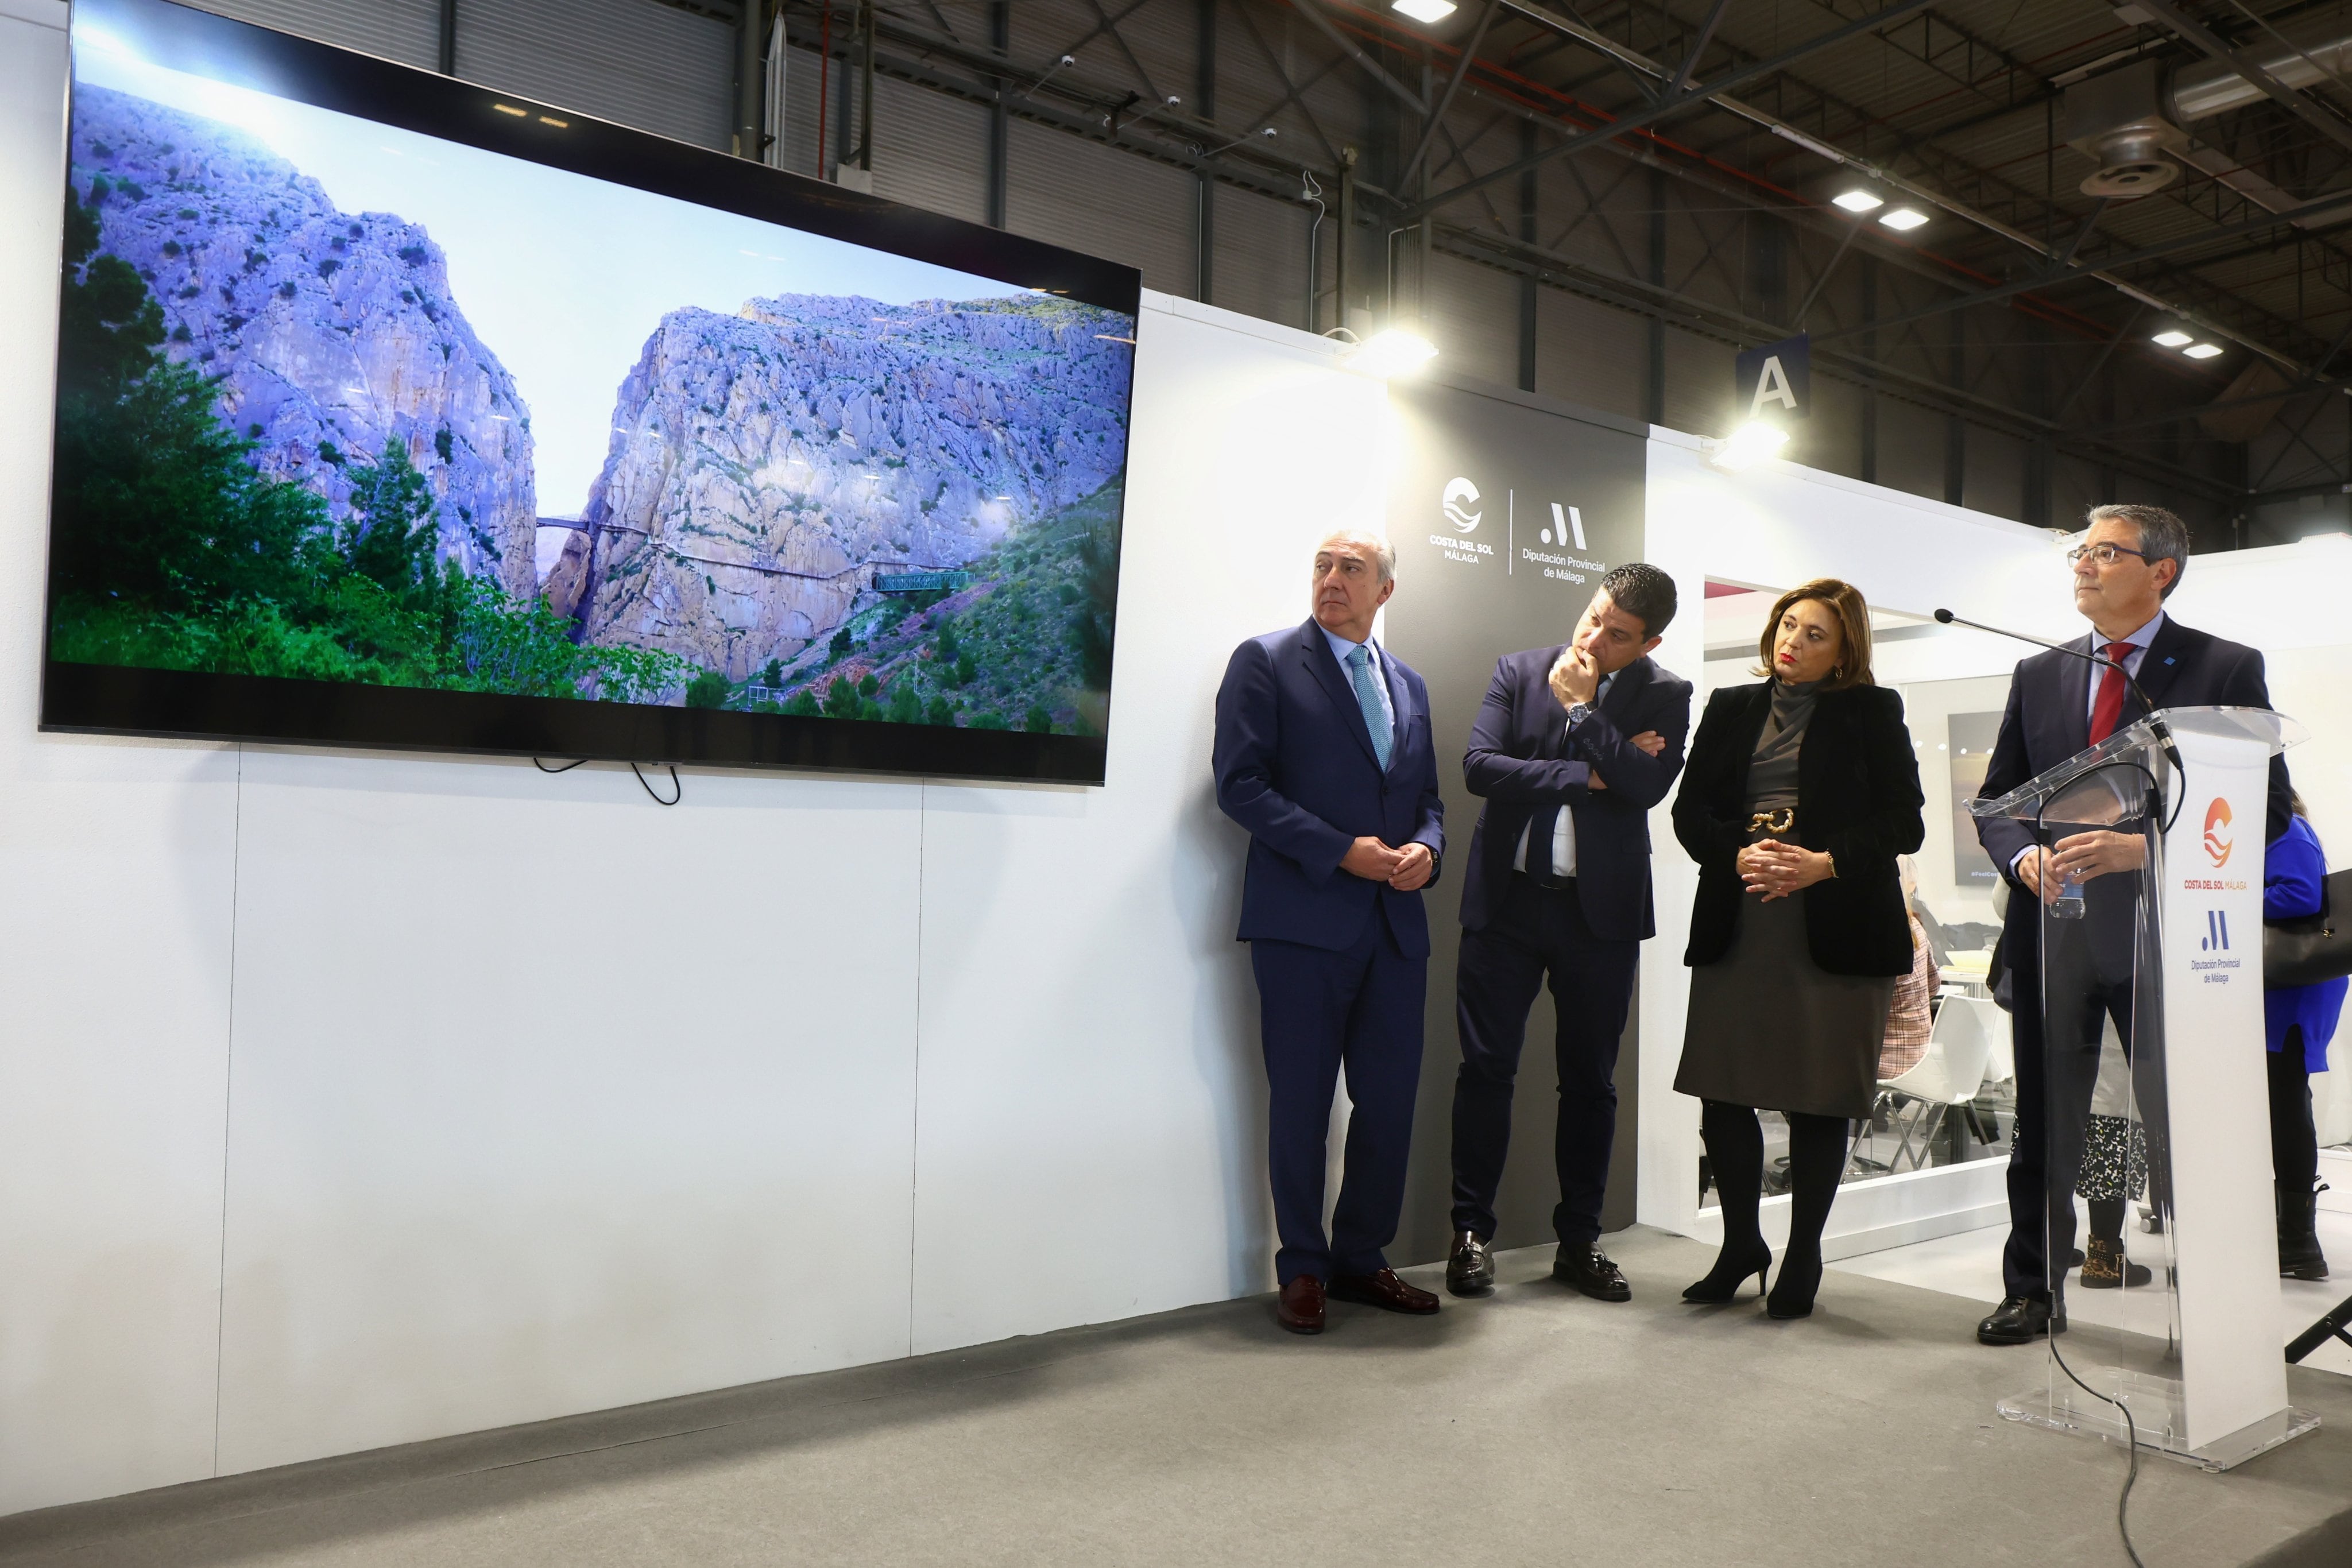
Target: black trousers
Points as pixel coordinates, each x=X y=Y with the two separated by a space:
x=1539 y=935
x=2057 y=1027
x=2295 y=1141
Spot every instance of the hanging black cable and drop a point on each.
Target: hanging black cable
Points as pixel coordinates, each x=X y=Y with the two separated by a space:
x=678 y=789
x=567 y=767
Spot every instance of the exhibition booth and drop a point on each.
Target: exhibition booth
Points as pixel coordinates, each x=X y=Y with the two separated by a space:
x=367 y=1091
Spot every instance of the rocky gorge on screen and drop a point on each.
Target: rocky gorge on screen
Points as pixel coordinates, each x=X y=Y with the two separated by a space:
x=283 y=450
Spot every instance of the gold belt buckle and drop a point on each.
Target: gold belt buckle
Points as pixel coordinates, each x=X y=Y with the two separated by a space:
x=1779 y=821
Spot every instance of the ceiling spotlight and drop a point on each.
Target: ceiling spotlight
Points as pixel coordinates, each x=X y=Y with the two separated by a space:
x=2172 y=337
x=1394 y=352
x=1423 y=10
x=1749 y=445
x=2203 y=351
x=1902 y=218
x=1859 y=201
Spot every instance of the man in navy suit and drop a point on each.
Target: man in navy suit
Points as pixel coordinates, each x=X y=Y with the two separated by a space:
x=2059 y=704
x=1323 y=752
x=1572 y=747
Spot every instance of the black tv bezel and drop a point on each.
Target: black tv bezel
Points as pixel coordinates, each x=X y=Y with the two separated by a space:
x=78 y=698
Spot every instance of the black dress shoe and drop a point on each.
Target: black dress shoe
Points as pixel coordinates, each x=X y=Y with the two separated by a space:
x=1590 y=1271
x=2021 y=1320
x=1470 y=1270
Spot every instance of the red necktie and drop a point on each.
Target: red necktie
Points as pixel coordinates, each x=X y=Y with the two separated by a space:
x=2109 y=708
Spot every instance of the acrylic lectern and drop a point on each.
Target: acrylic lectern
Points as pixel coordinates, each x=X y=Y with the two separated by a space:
x=2163 y=959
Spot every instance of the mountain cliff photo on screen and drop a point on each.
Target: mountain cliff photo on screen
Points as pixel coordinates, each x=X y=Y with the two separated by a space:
x=339 y=402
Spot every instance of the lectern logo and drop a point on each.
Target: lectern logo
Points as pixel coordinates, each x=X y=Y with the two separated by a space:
x=2217 y=831
x=1459 y=496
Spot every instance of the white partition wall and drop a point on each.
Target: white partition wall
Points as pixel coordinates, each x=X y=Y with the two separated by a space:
x=349 y=1100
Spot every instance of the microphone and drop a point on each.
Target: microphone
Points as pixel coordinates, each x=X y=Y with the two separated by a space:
x=2156 y=725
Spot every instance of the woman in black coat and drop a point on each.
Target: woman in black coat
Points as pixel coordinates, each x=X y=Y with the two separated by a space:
x=1799 y=794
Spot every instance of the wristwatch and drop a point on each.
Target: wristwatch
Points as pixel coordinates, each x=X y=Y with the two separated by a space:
x=1578 y=713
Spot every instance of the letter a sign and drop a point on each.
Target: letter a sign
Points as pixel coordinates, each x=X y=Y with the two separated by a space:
x=1776 y=381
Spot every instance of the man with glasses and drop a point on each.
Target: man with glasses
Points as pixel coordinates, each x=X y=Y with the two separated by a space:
x=2059 y=704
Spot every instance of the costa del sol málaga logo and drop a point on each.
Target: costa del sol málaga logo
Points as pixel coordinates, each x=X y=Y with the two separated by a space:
x=1459 y=496
x=2217 y=831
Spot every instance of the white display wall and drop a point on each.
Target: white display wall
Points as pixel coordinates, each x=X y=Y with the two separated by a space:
x=348 y=1100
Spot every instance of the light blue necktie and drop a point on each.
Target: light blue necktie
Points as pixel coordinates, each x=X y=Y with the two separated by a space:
x=1376 y=718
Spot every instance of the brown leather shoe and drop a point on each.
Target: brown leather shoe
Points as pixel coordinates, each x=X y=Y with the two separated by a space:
x=1384 y=1291
x=1300 y=1308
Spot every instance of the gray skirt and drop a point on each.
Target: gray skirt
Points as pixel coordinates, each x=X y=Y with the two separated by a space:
x=1770 y=1028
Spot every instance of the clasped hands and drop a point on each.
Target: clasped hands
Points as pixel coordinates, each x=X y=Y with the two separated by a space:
x=1776 y=870
x=2079 y=857
x=1404 y=870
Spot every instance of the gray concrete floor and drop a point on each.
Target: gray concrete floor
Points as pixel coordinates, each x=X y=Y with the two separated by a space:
x=1534 y=1426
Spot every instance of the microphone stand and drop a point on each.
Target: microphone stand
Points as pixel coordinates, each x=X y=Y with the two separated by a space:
x=2156 y=725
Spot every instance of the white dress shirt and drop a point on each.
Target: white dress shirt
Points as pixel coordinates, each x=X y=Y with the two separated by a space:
x=1563 y=831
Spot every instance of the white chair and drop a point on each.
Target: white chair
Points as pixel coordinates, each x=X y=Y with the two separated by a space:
x=2002 y=1065
x=1959 y=1048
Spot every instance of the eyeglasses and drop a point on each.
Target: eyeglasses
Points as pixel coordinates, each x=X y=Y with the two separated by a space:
x=2105 y=554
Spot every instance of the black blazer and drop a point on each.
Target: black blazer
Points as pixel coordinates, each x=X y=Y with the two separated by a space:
x=1521 y=757
x=1857 y=797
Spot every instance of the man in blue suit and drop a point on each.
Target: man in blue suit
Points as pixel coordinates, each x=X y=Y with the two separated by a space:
x=1323 y=752
x=1572 y=747
x=2069 y=978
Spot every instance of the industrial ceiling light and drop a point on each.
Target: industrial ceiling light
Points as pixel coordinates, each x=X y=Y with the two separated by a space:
x=1859 y=200
x=1903 y=219
x=1393 y=352
x=2203 y=350
x=1745 y=446
x=1423 y=10
x=2172 y=337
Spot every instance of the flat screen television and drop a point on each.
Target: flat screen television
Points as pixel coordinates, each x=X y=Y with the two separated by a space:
x=396 y=411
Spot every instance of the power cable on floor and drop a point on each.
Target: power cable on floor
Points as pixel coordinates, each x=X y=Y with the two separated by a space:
x=2131 y=1434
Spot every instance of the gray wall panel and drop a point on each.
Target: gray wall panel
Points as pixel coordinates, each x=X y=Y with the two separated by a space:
x=635 y=62
x=1910 y=448
x=1474 y=320
x=1583 y=349
x=1106 y=203
x=930 y=150
x=1260 y=262
x=408 y=31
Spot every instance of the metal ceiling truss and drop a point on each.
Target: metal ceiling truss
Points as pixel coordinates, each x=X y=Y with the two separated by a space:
x=1984 y=194
x=1073 y=102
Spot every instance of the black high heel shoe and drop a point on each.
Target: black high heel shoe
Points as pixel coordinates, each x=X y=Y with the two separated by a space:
x=1730 y=1271
x=1793 y=1291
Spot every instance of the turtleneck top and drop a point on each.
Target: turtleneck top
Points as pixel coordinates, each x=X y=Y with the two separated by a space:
x=1772 y=769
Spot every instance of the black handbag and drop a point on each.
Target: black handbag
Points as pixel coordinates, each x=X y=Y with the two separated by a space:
x=2311 y=947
